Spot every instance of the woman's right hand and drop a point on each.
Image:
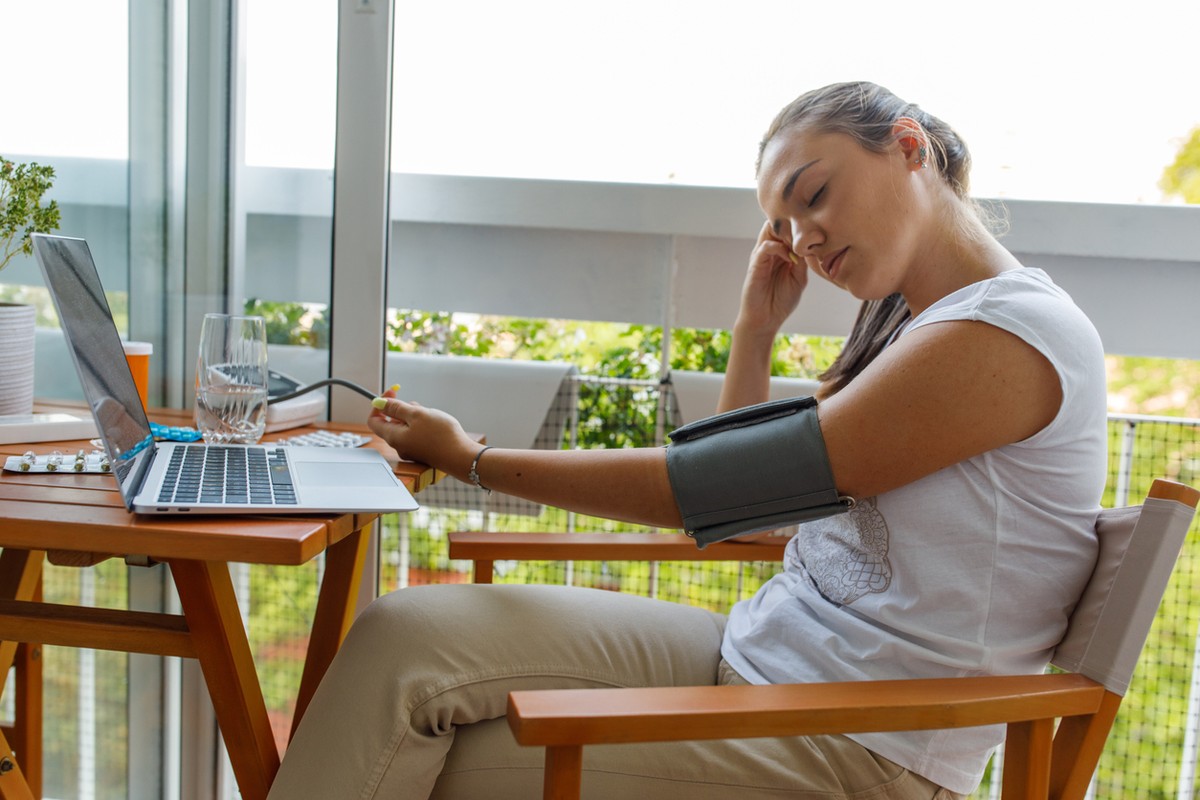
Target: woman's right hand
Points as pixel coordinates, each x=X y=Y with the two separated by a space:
x=775 y=280
x=422 y=434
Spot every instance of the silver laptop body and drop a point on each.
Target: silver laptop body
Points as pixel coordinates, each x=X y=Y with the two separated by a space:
x=277 y=479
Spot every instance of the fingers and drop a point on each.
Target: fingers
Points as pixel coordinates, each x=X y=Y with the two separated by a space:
x=773 y=253
x=775 y=245
x=389 y=409
x=382 y=403
x=391 y=393
x=775 y=262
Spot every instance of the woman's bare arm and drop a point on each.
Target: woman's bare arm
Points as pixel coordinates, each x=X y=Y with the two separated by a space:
x=625 y=484
x=941 y=394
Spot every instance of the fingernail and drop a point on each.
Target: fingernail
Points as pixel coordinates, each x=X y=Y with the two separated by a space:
x=379 y=402
x=795 y=259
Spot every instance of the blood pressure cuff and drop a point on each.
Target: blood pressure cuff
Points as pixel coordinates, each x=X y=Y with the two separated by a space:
x=754 y=469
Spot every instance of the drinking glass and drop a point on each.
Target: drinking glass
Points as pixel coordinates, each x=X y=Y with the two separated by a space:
x=231 y=379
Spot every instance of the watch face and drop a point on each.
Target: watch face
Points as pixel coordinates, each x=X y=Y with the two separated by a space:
x=280 y=384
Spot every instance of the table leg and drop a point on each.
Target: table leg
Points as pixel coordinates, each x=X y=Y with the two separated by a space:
x=20 y=576
x=21 y=579
x=27 y=722
x=335 y=613
x=210 y=606
x=13 y=784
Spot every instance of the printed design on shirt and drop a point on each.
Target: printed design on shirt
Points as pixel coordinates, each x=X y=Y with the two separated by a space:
x=847 y=554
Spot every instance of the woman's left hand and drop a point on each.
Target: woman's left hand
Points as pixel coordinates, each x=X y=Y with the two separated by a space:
x=774 y=283
x=421 y=434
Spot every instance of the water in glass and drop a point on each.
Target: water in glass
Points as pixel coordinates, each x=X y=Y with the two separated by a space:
x=231 y=379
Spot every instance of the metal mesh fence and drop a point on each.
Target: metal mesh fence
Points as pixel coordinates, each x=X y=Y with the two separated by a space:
x=1151 y=752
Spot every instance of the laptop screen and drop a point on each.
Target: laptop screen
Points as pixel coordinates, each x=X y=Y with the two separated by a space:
x=95 y=345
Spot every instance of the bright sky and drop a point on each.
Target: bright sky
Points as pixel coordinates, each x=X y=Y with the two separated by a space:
x=1057 y=100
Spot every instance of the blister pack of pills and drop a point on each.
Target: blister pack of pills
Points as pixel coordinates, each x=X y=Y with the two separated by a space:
x=174 y=433
x=326 y=439
x=81 y=462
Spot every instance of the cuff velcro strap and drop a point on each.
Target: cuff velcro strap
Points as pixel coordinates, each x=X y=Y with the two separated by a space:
x=752 y=469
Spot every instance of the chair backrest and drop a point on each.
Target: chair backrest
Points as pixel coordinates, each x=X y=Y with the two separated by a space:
x=1138 y=550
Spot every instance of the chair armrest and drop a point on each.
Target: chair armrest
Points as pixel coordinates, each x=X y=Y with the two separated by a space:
x=604 y=716
x=488 y=546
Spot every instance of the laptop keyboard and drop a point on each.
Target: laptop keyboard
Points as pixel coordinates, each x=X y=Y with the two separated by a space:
x=216 y=474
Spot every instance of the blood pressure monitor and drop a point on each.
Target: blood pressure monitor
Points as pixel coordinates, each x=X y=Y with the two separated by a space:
x=293 y=412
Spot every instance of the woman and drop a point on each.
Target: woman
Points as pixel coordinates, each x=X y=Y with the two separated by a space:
x=966 y=415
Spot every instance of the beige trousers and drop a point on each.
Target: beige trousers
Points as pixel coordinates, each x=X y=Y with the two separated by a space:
x=413 y=705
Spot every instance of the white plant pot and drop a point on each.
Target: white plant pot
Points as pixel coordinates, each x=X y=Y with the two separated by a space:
x=16 y=358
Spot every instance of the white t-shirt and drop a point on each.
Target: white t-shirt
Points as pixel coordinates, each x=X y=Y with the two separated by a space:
x=969 y=571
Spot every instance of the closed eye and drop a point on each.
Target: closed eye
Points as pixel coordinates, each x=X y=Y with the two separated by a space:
x=814 y=198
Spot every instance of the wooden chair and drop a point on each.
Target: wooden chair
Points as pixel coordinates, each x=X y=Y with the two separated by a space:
x=485 y=548
x=1138 y=550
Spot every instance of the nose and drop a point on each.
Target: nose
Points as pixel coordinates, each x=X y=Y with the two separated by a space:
x=805 y=236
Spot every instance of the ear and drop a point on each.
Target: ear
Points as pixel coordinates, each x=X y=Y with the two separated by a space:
x=913 y=141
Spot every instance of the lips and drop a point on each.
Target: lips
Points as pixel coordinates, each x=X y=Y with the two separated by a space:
x=832 y=264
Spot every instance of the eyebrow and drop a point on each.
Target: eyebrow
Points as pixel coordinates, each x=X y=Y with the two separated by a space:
x=791 y=184
x=789 y=187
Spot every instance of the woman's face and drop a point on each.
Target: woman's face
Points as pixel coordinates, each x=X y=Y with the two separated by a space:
x=850 y=213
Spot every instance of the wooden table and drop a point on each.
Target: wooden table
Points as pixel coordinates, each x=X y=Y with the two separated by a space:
x=80 y=520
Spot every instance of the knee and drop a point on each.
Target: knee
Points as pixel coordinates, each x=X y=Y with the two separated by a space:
x=423 y=630
x=410 y=614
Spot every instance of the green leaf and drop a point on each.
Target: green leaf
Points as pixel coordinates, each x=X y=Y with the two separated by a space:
x=21 y=211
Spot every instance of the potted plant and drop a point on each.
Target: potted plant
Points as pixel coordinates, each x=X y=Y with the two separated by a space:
x=21 y=215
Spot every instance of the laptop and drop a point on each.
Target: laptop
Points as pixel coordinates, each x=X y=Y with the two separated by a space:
x=195 y=478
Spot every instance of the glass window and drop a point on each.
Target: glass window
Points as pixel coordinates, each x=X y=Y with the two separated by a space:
x=286 y=192
x=291 y=83
x=70 y=110
x=74 y=116
x=284 y=195
x=284 y=204
x=74 y=100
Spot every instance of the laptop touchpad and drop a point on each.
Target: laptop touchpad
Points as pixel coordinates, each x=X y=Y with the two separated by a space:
x=363 y=476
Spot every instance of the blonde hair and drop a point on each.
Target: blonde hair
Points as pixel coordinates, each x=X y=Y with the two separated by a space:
x=868 y=114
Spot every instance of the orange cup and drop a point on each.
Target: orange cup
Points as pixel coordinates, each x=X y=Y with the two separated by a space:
x=138 y=356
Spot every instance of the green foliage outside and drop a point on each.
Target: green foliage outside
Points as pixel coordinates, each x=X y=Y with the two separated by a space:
x=1181 y=178
x=598 y=349
x=1154 y=386
x=291 y=323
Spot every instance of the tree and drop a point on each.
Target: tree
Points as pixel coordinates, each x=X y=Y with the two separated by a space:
x=1182 y=177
